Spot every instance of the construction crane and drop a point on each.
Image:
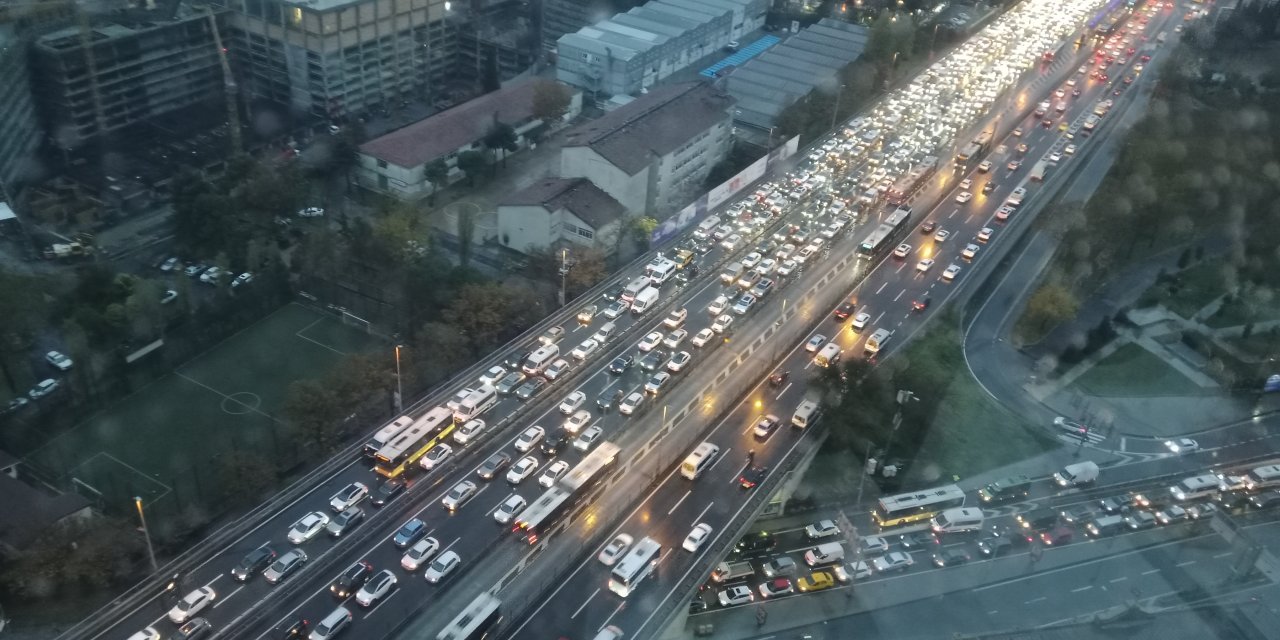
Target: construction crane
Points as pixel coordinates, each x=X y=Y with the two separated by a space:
x=229 y=81
x=91 y=64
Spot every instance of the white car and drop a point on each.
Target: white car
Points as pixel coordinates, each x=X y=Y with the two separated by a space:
x=744 y=304
x=941 y=235
x=650 y=341
x=509 y=509
x=718 y=305
x=442 y=566
x=678 y=361
x=951 y=272
x=557 y=369
x=966 y=184
x=523 y=468
x=751 y=260
x=530 y=439
x=1069 y=149
x=616 y=548
x=553 y=473
x=584 y=350
x=459 y=495
x=576 y=422
x=735 y=595
x=572 y=402
x=860 y=321
x=815 y=343
x=657 y=382
x=1182 y=445
x=435 y=456
x=493 y=375
x=420 y=552
x=673 y=339
x=1055 y=157
x=970 y=251
x=699 y=535
x=722 y=323
x=57 y=359
x=786 y=268
x=588 y=438
x=731 y=242
x=872 y=545
x=467 y=432
x=924 y=265
x=191 y=604
x=821 y=529
x=242 y=279
x=902 y=250
x=631 y=403
x=963 y=197
x=307 y=527
x=892 y=561
x=615 y=309
x=311 y=212
x=377 y=588
x=701 y=338
x=675 y=319
x=767 y=266
x=349 y=496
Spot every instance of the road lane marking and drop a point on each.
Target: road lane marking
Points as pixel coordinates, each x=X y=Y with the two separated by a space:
x=722 y=457
x=877 y=320
x=784 y=390
x=704 y=512
x=677 y=504
x=585 y=603
x=895 y=298
x=882 y=286
x=227 y=597
x=1147 y=573
x=1036 y=600
x=1223 y=555
x=382 y=600
x=615 y=612
x=1120 y=579
x=1185 y=563
x=1084 y=588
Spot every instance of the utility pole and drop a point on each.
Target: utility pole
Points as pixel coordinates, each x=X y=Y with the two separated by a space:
x=565 y=265
x=399 y=385
x=137 y=501
x=835 y=113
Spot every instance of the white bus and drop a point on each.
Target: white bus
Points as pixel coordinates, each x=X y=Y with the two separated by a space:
x=474 y=405
x=1263 y=477
x=385 y=435
x=659 y=269
x=639 y=562
x=476 y=621
x=544 y=512
x=917 y=506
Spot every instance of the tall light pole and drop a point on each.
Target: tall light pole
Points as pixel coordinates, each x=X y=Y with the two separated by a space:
x=399 y=385
x=933 y=38
x=835 y=113
x=564 y=272
x=146 y=534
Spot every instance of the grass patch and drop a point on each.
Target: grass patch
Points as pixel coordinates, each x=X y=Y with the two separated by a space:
x=1134 y=371
x=1188 y=291
x=1243 y=310
x=972 y=433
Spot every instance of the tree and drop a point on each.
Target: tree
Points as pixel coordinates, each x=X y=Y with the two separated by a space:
x=22 y=313
x=246 y=476
x=489 y=314
x=313 y=414
x=440 y=350
x=473 y=164
x=437 y=173
x=1050 y=305
x=643 y=228
x=466 y=234
x=551 y=100
x=501 y=137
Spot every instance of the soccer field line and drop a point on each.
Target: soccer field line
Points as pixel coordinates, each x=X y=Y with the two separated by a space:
x=75 y=474
x=227 y=397
x=317 y=342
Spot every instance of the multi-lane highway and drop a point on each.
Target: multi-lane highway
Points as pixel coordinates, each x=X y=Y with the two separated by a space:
x=582 y=603
x=252 y=608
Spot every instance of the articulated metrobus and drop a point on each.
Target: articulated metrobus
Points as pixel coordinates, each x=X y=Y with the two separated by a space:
x=917 y=506
x=414 y=443
x=385 y=435
x=632 y=569
x=1263 y=477
x=568 y=491
x=885 y=236
x=476 y=621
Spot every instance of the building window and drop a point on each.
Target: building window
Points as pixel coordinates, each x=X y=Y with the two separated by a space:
x=382 y=164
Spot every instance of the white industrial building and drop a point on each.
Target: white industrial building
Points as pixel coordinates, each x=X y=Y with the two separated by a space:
x=559 y=212
x=635 y=50
x=654 y=153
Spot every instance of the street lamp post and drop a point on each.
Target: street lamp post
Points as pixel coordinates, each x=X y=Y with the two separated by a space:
x=146 y=534
x=835 y=113
x=564 y=273
x=933 y=39
x=399 y=385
